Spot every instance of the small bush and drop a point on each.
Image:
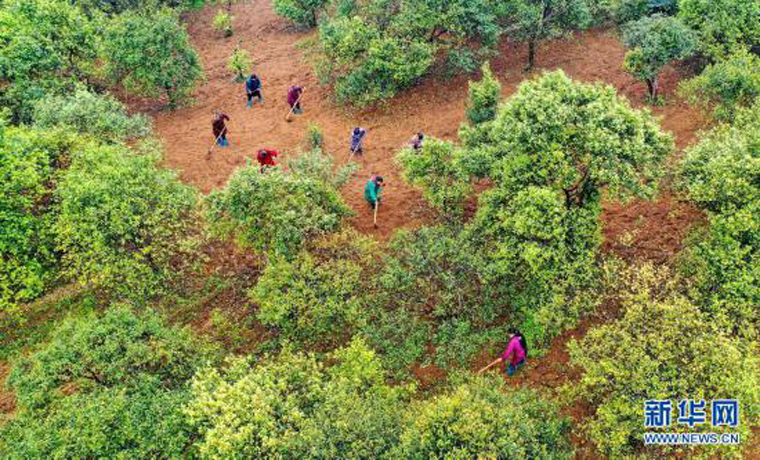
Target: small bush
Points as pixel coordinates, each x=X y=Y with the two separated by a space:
x=727 y=85
x=240 y=63
x=223 y=23
x=484 y=96
x=320 y=166
x=314 y=137
x=481 y=418
x=302 y=12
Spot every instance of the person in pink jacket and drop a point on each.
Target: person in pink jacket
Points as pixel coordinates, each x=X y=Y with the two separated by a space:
x=516 y=352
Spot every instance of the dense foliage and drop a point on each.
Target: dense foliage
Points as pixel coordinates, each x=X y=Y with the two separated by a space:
x=301 y=12
x=124 y=224
x=291 y=406
x=723 y=26
x=275 y=212
x=107 y=386
x=663 y=347
x=28 y=173
x=322 y=294
x=654 y=42
x=483 y=419
x=85 y=112
x=48 y=45
x=721 y=174
x=484 y=96
x=727 y=85
x=150 y=54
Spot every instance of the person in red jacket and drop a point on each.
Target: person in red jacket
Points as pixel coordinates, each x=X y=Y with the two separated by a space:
x=265 y=158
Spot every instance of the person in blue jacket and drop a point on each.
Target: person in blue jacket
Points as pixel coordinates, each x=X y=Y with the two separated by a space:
x=253 y=90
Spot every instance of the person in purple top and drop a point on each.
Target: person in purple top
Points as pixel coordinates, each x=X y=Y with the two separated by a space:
x=517 y=349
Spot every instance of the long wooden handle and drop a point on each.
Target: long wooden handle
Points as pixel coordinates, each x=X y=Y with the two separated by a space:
x=287 y=117
x=490 y=365
x=216 y=141
x=377 y=205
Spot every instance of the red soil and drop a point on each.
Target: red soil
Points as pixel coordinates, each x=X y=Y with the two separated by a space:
x=435 y=107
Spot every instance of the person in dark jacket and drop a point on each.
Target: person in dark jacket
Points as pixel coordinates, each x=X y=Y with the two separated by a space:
x=219 y=128
x=357 y=138
x=253 y=90
x=294 y=95
x=416 y=141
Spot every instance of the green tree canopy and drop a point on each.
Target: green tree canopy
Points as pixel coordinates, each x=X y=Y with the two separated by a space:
x=484 y=96
x=29 y=162
x=727 y=85
x=150 y=54
x=124 y=224
x=655 y=41
x=322 y=294
x=106 y=386
x=47 y=46
x=99 y=115
x=293 y=406
x=301 y=12
x=723 y=25
x=275 y=212
x=481 y=418
x=662 y=348
x=534 y=21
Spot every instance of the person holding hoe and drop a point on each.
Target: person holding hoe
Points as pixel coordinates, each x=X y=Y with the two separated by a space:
x=357 y=138
x=265 y=158
x=515 y=354
x=253 y=90
x=372 y=193
x=294 y=98
x=219 y=127
x=416 y=141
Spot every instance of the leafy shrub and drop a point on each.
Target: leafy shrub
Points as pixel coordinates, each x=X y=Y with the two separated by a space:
x=723 y=26
x=302 y=12
x=432 y=168
x=293 y=407
x=314 y=137
x=400 y=336
x=124 y=224
x=223 y=23
x=29 y=159
x=624 y=11
x=722 y=172
x=48 y=45
x=99 y=115
x=660 y=349
x=240 y=64
x=726 y=85
x=321 y=294
x=484 y=96
x=319 y=166
x=150 y=54
x=481 y=418
x=114 y=7
x=105 y=386
x=654 y=42
x=275 y=212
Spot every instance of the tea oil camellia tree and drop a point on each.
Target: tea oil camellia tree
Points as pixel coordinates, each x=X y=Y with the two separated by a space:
x=124 y=224
x=654 y=42
x=723 y=26
x=105 y=386
x=552 y=148
x=150 y=54
x=276 y=212
x=302 y=12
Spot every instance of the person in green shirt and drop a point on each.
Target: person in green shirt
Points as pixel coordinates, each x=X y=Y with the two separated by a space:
x=373 y=189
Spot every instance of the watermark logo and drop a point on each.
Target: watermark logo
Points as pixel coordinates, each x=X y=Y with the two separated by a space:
x=691 y=412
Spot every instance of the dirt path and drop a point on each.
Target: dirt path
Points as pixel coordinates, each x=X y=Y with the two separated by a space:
x=436 y=107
